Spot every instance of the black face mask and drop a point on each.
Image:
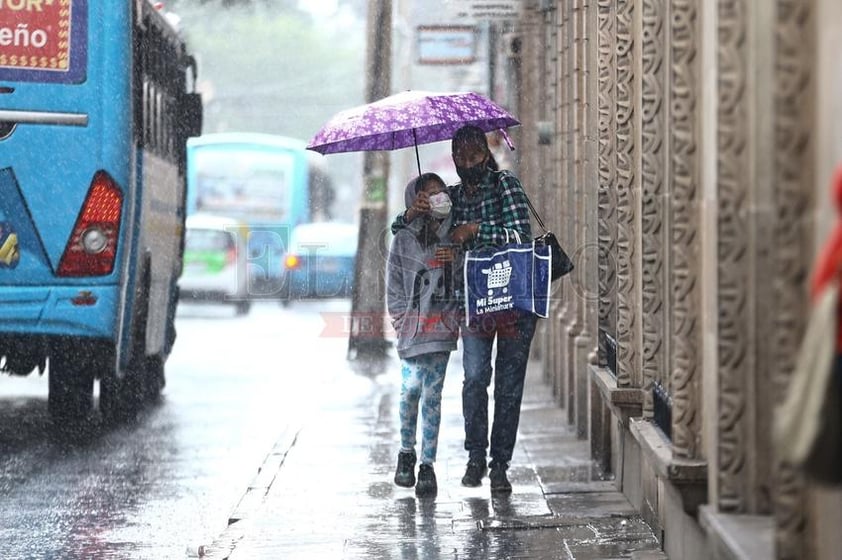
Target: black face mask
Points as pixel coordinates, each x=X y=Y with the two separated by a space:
x=472 y=175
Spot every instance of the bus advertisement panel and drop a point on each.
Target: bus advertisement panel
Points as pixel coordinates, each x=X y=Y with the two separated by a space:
x=43 y=40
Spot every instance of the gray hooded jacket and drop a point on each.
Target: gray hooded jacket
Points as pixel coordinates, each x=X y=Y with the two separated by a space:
x=425 y=310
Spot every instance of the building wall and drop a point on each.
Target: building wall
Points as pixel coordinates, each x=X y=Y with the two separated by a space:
x=683 y=150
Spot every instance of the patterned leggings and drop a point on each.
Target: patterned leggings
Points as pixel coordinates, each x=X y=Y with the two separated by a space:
x=423 y=377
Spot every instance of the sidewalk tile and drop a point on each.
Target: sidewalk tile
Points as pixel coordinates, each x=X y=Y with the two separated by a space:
x=333 y=495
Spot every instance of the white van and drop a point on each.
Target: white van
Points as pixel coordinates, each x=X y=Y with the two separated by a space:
x=215 y=262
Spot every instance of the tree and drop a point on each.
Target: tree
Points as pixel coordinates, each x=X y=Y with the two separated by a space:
x=265 y=66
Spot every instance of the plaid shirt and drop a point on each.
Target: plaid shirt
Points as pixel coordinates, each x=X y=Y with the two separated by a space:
x=498 y=205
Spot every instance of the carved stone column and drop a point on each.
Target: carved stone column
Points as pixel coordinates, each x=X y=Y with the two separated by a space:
x=560 y=290
x=558 y=211
x=607 y=186
x=653 y=222
x=540 y=34
x=576 y=181
x=585 y=179
x=794 y=124
x=527 y=71
x=628 y=268
x=572 y=327
x=733 y=250
x=685 y=349
x=745 y=160
x=606 y=328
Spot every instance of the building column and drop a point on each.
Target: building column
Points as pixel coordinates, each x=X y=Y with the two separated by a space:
x=654 y=220
x=607 y=193
x=745 y=245
x=585 y=179
x=685 y=195
x=733 y=489
x=628 y=220
x=570 y=195
x=602 y=421
x=560 y=214
x=793 y=178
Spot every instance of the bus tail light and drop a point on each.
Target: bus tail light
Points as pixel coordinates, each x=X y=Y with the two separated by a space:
x=92 y=246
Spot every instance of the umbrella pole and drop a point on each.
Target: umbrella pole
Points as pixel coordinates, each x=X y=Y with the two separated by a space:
x=417 y=157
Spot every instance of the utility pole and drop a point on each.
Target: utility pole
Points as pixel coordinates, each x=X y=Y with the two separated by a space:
x=367 y=340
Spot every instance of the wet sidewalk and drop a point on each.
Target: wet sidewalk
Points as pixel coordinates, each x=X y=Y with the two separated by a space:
x=326 y=490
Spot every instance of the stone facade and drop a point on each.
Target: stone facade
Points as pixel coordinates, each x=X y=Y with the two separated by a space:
x=682 y=150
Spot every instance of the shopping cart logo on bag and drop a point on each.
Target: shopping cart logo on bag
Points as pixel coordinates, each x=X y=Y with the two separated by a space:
x=498 y=276
x=497 y=297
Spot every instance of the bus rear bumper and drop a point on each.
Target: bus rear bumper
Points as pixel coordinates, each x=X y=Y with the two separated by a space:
x=67 y=311
x=23 y=354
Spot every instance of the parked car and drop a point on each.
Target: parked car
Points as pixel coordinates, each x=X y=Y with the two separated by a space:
x=319 y=262
x=215 y=262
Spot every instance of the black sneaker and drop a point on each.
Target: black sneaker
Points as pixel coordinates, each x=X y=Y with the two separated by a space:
x=426 y=487
x=405 y=473
x=499 y=481
x=474 y=473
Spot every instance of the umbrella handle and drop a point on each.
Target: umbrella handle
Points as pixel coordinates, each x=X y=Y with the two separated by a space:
x=507 y=139
x=417 y=157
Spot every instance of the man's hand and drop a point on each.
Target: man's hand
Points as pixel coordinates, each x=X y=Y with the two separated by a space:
x=419 y=207
x=464 y=233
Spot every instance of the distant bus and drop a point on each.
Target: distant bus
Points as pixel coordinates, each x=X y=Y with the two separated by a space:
x=95 y=111
x=269 y=182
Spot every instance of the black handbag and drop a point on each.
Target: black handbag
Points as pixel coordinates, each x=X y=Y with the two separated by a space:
x=560 y=263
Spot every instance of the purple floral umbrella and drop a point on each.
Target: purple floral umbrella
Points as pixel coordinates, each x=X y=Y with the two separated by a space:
x=407 y=119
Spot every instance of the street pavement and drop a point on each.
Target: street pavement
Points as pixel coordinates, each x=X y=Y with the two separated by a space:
x=146 y=488
x=325 y=490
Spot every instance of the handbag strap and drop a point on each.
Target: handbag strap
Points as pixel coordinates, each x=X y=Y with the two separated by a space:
x=532 y=208
x=535 y=213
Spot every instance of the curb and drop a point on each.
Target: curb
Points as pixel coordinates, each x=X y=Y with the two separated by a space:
x=225 y=543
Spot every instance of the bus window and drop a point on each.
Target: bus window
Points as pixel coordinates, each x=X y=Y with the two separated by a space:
x=245 y=185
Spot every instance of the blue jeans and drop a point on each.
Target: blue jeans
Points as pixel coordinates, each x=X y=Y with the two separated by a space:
x=513 y=331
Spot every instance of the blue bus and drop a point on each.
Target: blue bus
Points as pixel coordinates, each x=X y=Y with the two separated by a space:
x=95 y=111
x=269 y=182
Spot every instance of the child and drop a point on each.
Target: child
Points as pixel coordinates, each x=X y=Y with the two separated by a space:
x=425 y=314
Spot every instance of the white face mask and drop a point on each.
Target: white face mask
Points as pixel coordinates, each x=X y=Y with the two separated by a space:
x=440 y=205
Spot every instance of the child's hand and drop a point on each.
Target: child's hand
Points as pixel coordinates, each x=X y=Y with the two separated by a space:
x=419 y=207
x=445 y=254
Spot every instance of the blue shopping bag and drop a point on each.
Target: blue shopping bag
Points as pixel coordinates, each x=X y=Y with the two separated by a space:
x=514 y=276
